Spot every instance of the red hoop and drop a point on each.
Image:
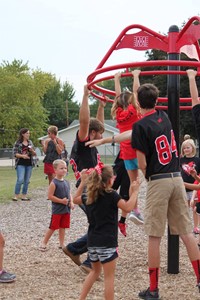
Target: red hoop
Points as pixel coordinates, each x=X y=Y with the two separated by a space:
x=92 y=82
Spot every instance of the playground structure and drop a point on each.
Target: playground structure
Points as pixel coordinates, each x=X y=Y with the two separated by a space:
x=185 y=41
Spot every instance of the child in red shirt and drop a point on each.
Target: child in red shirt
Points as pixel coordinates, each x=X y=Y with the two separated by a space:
x=126 y=112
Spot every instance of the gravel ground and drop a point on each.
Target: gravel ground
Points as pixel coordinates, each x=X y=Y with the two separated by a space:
x=52 y=275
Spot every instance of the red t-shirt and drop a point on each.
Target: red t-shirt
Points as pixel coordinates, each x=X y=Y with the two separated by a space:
x=125 y=121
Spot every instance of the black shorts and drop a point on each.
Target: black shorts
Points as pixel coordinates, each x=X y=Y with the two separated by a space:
x=198 y=208
x=122 y=181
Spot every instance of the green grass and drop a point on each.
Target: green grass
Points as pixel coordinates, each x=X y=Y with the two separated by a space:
x=8 y=179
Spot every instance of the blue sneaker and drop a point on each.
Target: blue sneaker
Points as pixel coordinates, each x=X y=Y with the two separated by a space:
x=6 y=277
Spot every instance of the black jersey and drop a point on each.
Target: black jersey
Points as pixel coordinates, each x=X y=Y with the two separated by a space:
x=186 y=163
x=83 y=157
x=153 y=135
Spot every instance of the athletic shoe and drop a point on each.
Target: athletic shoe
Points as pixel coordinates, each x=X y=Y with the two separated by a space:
x=6 y=277
x=136 y=218
x=198 y=285
x=196 y=230
x=122 y=228
x=149 y=295
x=75 y=258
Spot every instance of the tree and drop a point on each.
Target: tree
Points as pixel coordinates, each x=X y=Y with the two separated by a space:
x=21 y=91
x=58 y=101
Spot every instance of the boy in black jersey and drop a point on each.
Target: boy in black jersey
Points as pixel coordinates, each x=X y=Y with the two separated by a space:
x=153 y=138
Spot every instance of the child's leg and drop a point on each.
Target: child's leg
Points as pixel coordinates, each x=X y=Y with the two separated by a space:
x=133 y=174
x=90 y=279
x=196 y=220
x=135 y=215
x=109 y=278
x=2 y=243
x=47 y=236
x=61 y=233
x=199 y=234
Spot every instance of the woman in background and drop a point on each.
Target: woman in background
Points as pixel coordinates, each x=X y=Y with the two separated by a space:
x=23 y=153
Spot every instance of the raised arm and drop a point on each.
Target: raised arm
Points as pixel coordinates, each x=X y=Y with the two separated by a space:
x=117 y=84
x=136 y=80
x=84 y=115
x=193 y=86
x=100 y=111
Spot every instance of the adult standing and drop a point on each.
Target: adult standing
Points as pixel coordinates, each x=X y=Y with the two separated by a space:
x=52 y=147
x=23 y=153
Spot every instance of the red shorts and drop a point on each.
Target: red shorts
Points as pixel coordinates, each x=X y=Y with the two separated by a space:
x=60 y=221
x=48 y=169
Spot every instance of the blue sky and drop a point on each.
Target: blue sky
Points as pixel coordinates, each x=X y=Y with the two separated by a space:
x=69 y=38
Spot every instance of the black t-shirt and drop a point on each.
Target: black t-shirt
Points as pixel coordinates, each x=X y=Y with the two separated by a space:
x=186 y=163
x=83 y=157
x=22 y=161
x=153 y=135
x=103 y=220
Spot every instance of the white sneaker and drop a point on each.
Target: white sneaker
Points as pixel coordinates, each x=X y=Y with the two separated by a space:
x=136 y=218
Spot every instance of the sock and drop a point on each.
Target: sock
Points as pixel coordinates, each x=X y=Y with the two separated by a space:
x=122 y=220
x=153 y=276
x=196 y=267
x=136 y=210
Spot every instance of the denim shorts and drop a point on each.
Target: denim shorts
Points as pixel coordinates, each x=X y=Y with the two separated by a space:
x=102 y=254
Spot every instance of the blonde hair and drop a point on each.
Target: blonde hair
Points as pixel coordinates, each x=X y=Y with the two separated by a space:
x=98 y=183
x=123 y=101
x=53 y=129
x=191 y=143
x=186 y=137
x=58 y=162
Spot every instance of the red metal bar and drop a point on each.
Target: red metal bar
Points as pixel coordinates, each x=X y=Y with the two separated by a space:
x=143 y=64
x=114 y=45
x=187 y=25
